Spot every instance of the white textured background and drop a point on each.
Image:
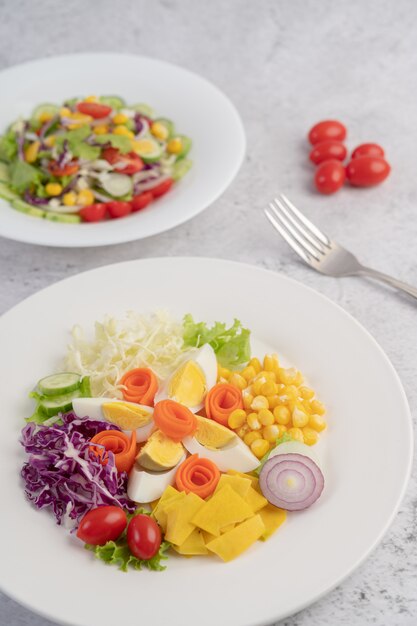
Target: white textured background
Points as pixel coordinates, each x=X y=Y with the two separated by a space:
x=285 y=64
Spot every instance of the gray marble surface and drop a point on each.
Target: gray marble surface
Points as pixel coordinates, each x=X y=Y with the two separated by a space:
x=286 y=64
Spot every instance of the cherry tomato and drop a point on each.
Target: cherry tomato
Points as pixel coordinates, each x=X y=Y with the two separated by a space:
x=326 y=150
x=330 y=176
x=94 y=109
x=162 y=188
x=366 y=171
x=117 y=208
x=326 y=131
x=368 y=149
x=143 y=537
x=141 y=201
x=133 y=162
x=68 y=170
x=98 y=526
x=94 y=212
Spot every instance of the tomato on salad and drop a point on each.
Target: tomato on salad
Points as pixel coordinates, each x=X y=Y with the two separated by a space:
x=163 y=188
x=69 y=169
x=143 y=537
x=94 y=212
x=103 y=524
x=141 y=201
x=131 y=162
x=94 y=109
x=118 y=208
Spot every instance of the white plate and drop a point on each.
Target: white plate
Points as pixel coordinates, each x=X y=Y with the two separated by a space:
x=198 y=108
x=367 y=455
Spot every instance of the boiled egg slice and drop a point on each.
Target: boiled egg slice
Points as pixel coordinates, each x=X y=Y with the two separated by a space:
x=160 y=453
x=145 y=486
x=192 y=379
x=127 y=415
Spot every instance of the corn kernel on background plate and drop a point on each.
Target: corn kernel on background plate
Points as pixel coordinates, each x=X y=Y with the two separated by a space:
x=366 y=452
x=198 y=108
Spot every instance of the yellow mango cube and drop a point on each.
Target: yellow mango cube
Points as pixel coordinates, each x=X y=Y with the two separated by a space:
x=224 y=508
x=179 y=515
x=272 y=517
x=232 y=544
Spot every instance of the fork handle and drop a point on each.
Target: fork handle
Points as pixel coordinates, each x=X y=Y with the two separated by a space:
x=385 y=278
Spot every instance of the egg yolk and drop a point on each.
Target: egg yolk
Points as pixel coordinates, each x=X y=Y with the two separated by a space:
x=188 y=384
x=127 y=416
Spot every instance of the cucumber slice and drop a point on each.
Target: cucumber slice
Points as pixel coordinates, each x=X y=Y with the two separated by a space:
x=72 y=101
x=148 y=149
x=58 y=404
x=85 y=387
x=186 y=146
x=117 y=185
x=49 y=109
x=4 y=173
x=65 y=218
x=180 y=168
x=6 y=193
x=169 y=125
x=59 y=384
x=143 y=108
x=113 y=101
x=24 y=207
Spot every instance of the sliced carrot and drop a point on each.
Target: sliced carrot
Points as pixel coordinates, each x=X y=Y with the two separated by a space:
x=140 y=385
x=199 y=476
x=123 y=448
x=175 y=420
x=221 y=400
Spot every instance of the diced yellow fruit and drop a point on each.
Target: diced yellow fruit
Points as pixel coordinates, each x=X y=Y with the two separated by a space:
x=252 y=436
x=253 y=421
x=179 y=515
x=159 y=131
x=259 y=447
x=91 y=99
x=271 y=433
x=226 y=529
x=120 y=118
x=237 y=381
x=31 y=152
x=273 y=401
x=122 y=130
x=255 y=500
x=306 y=393
x=299 y=418
x=194 y=544
x=317 y=422
x=45 y=117
x=266 y=417
x=259 y=402
x=236 y=541
x=50 y=141
x=53 y=189
x=174 y=146
x=247 y=400
x=282 y=415
x=317 y=407
x=239 y=484
x=225 y=507
x=102 y=129
x=207 y=536
x=127 y=416
x=297 y=434
x=223 y=372
x=256 y=364
x=248 y=373
x=310 y=436
x=85 y=197
x=69 y=198
x=272 y=517
x=64 y=112
x=236 y=418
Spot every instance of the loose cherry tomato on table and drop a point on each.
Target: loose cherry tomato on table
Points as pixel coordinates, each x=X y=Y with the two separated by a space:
x=117 y=208
x=66 y=170
x=98 y=526
x=141 y=201
x=368 y=149
x=366 y=171
x=94 y=109
x=94 y=212
x=326 y=131
x=162 y=188
x=330 y=176
x=326 y=150
x=132 y=161
x=143 y=536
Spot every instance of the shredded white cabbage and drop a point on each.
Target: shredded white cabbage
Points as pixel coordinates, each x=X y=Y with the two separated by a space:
x=119 y=345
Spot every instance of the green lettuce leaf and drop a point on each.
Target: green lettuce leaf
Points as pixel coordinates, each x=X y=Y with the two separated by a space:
x=8 y=147
x=285 y=437
x=23 y=175
x=122 y=143
x=76 y=141
x=231 y=345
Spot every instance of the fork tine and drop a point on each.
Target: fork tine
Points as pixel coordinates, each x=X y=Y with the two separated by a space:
x=290 y=241
x=296 y=229
x=298 y=226
x=293 y=232
x=318 y=233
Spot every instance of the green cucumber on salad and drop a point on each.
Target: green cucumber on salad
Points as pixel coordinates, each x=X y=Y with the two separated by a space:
x=55 y=393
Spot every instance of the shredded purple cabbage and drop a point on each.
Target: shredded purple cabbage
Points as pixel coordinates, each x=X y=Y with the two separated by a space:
x=46 y=126
x=30 y=198
x=65 y=156
x=20 y=140
x=62 y=474
x=138 y=123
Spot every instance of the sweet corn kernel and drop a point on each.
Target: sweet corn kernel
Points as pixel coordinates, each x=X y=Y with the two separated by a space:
x=174 y=146
x=122 y=130
x=259 y=402
x=306 y=393
x=85 y=197
x=222 y=380
x=310 y=436
x=45 y=117
x=69 y=198
x=266 y=417
x=292 y=392
x=223 y=372
x=269 y=388
x=256 y=364
x=53 y=189
x=259 y=447
x=31 y=152
x=249 y=438
x=273 y=401
x=253 y=421
x=269 y=364
x=299 y=418
x=271 y=433
x=288 y=376
x=237 y=381
x=247 y=400
x=91 y=99
x=282 y=429
x=242 y=431
x=101 y=130
x=64 y=112
x=236 y=418
x=78 y=120
x=257 y=386
x=297 y=434
x=266 y=375
x=159 y=130
x=120 y=118
x=282 y=414
x=317 y=407
x=248 y=373
x=50 y=141
x=317 y=422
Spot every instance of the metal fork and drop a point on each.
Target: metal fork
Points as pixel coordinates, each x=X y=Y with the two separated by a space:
x=317 y=250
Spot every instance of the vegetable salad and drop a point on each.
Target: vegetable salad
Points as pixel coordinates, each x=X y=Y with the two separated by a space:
x=90 y=159
x=171 y=437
